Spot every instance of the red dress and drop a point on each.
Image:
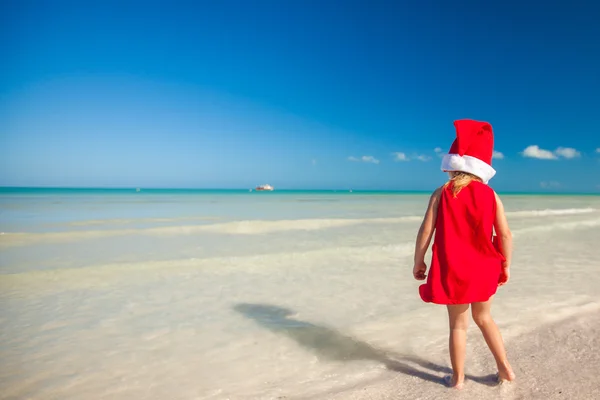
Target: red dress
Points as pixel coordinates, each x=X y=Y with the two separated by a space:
x=465 y=265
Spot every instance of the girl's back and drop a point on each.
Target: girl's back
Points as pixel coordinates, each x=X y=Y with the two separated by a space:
x=465 y=266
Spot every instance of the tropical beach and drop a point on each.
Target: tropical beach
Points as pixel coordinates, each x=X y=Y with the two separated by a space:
x=236 y=200
x=286 y=295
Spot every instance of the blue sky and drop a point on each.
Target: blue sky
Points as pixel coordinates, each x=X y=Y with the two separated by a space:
x=298 y=94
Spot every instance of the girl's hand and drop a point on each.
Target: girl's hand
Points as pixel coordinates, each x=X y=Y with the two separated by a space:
x=504 y=275
x=419 y=270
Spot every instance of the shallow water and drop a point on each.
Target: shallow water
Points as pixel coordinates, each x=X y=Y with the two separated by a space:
x=251 y=296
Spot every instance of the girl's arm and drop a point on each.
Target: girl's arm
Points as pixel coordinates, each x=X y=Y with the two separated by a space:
x=503 y=232
x=424 y=236
x=506 y=245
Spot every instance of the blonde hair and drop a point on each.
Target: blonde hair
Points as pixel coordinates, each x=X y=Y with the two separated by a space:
x=460 y=180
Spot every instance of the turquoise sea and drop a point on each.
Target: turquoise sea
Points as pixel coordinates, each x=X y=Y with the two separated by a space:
x=35 y=209
x=231 y=294
x=32 y=208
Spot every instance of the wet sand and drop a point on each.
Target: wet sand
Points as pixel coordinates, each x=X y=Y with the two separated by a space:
x=555 y=361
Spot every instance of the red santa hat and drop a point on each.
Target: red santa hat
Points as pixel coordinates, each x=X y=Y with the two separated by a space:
x=472 y=150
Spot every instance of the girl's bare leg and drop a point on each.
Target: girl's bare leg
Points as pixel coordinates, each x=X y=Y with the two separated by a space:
x=483 y=318
x=458 y=316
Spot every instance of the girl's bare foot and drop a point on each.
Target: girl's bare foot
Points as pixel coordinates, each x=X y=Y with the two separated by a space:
x=454 y=382
x=505 y=373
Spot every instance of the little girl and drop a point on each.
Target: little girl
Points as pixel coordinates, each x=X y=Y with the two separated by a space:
x=468 y=262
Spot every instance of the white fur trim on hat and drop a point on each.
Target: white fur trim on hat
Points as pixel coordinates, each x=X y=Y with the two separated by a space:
x=472 y=165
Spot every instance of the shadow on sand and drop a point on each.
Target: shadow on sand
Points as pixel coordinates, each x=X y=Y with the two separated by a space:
x=333 y=345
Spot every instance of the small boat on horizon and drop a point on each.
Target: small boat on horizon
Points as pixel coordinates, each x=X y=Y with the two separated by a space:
x=264 y=188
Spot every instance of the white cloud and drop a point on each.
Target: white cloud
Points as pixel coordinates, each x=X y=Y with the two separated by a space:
x=567 y=152
x=497 y=155
x=314 y=161
x=534 y=151
x=550 y=185
x=367 y=159
x=370 y=159
x=598 y=150
x=399 y=156
x=438 y=149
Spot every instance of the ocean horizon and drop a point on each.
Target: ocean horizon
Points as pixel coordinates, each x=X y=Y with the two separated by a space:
x=194 y=190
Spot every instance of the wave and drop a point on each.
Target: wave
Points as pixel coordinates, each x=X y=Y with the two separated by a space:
x=592 y=223
x=249 y=227
x=258 y=227
x=550 y=212
x=126 y=221
x=551 y=313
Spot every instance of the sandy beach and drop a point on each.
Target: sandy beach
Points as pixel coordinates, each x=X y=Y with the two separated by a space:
x=304 y=296
x=221 y=200
x=554 y=361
